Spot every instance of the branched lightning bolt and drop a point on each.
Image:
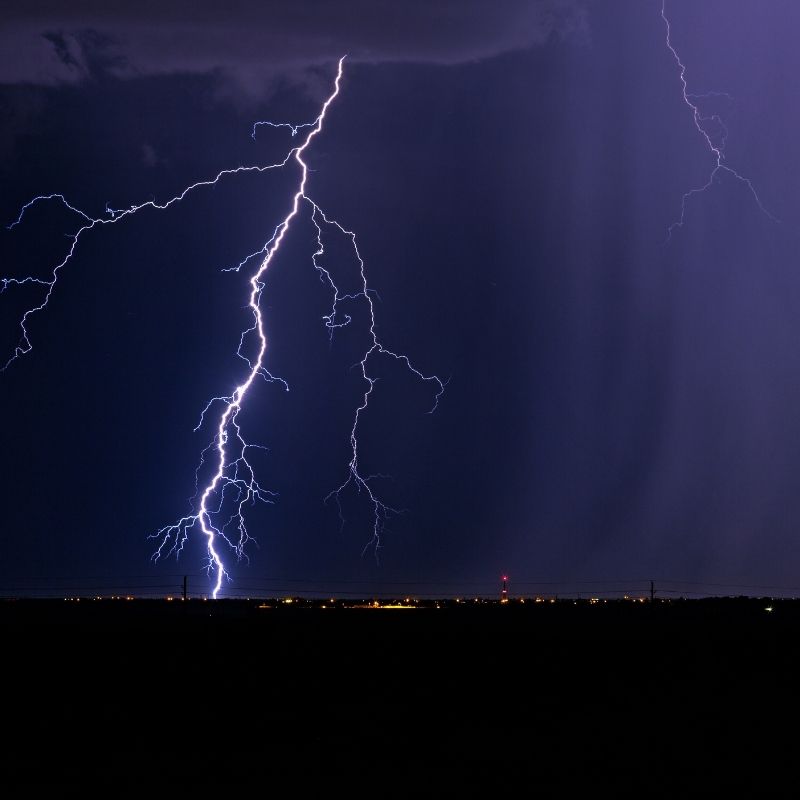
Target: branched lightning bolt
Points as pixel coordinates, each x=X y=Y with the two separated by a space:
x=24 y=345
x=218 y=507
x=355 y=478
x=714 y=143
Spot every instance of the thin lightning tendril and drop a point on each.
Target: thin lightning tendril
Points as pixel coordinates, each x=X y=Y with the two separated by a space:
x=233 y=484
x=381 y=512
x=701 y=122
x=293 y=128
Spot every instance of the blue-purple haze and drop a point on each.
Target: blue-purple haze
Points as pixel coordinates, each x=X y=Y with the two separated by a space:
x=618 y=409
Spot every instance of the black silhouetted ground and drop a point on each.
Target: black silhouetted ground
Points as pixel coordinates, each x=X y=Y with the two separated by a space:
x=458 y=701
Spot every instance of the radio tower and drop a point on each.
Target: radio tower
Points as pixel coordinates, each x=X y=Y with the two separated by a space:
x=504 y=590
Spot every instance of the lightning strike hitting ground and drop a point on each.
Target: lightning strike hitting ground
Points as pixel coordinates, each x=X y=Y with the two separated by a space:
x=714 y=133
x=219 y=512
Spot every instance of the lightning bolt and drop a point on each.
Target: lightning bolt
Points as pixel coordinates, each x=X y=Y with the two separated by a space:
x=715 y=141
x=218 y=506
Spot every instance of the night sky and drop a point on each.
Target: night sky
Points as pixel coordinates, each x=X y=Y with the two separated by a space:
x=619 y=407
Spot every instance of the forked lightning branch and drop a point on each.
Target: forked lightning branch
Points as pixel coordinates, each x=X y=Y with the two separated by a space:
x=218 y=510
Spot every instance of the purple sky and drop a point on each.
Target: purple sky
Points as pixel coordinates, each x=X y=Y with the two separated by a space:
x=619 y=408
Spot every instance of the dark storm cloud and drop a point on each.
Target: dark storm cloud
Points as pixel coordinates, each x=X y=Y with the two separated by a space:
x=51 y=42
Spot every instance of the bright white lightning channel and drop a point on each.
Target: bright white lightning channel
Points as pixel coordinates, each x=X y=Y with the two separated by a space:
x=233 y=486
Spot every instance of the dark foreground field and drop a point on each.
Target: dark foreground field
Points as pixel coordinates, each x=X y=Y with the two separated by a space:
x=451 y=702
